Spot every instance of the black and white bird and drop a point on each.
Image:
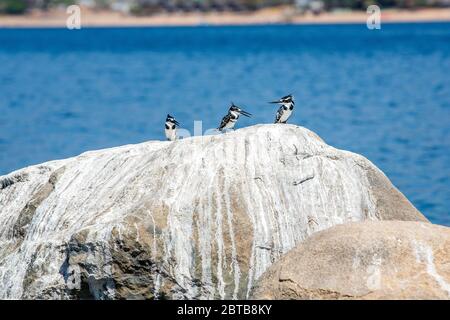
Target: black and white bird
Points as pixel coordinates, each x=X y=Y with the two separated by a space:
x=285 y=111
x=171 y=128
x=230 y=119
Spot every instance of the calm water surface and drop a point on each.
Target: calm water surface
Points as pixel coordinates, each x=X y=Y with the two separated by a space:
x=384 y=94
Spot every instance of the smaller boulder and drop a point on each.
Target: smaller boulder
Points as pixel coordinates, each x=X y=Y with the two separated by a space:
x=364 y=260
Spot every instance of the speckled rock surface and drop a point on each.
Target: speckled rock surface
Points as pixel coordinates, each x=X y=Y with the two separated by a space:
x=364 y=260
x=199 y=218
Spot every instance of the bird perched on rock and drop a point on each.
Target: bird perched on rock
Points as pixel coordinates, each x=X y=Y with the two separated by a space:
x=285 y=111
x=230 y=119
x=171 y=128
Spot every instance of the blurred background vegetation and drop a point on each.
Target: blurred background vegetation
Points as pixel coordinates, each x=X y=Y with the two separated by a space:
x=146 y=7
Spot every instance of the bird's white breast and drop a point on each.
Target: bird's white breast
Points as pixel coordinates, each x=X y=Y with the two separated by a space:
x=230 y=124
x=171 y=134
x=285 y=115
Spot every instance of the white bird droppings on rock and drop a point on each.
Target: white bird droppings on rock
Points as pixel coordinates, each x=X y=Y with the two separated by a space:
x=202 y=217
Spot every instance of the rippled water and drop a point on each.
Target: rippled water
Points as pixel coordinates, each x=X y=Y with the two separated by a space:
x=384 y=94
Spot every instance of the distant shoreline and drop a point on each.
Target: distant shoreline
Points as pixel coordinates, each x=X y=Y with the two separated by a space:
x=90 y=18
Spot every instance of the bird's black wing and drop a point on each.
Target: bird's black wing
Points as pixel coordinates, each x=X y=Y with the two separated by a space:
x=279 y=113
x=225 y=120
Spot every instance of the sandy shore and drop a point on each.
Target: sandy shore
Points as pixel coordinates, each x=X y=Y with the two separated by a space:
x=91 y=18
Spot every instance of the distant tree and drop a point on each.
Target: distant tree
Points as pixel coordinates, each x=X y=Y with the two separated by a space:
x=145 y=7
x=103 y=4
x=13 y=6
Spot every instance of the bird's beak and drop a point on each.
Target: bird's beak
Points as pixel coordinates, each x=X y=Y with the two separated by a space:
x=278 y=101
x=245 y=113
x=176 y=122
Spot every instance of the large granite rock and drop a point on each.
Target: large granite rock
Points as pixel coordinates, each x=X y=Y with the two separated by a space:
x=364 y=260
x=202 y=217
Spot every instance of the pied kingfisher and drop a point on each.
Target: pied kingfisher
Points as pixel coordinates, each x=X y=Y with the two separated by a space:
x=230 y=119
x=285 y=111
x=170 y=128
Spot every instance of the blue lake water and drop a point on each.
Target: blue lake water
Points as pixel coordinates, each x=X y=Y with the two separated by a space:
x=382 y=93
